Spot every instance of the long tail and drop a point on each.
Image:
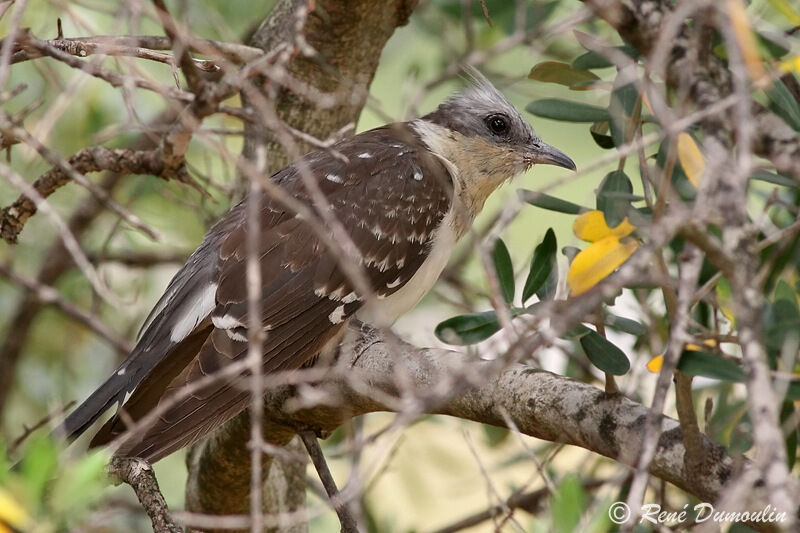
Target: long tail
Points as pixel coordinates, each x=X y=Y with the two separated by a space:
x=112 y=391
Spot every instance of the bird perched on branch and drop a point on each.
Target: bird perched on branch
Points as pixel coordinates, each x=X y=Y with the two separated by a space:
x=405 y=193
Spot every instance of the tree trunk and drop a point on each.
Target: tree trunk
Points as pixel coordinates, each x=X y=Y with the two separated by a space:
x=348 y=36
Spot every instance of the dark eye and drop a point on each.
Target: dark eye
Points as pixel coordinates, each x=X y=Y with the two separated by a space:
x=498 y=124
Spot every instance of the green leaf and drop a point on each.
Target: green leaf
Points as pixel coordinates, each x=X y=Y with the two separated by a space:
x=568 y=505
x=591 y=60
x=504 y=269
x=562 y=74
x=784 y=105
x=773 y=45
x=542 y=264
x=79 y=486
x=604 y=355
x=709 y=365
x=567 y=111
x=548 y=290
x=495 y=436
x=576 y=333
x=793 y=393
x=784 y=291
x=614 y=197
x=468 y=329
x=623 y=100
x=771 y=177
x=631 y=327
x=551 y=203
x=39 y=465
x=601 y=136
x=781 y=323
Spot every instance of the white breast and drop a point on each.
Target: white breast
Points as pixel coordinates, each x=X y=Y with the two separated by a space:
x=387 y=310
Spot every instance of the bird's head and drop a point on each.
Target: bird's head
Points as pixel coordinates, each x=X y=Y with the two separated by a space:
x=484 y=136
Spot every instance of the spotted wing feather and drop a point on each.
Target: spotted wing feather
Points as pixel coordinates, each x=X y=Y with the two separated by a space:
x=390 y=195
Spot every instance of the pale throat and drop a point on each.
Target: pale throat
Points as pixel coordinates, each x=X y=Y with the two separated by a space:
x=478 y=168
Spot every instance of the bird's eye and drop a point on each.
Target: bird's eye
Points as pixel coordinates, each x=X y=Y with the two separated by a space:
x=498 y=124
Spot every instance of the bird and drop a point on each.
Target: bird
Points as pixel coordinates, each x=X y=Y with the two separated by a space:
x=405 y=193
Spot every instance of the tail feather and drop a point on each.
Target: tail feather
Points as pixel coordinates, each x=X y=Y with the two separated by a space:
x=112 y=391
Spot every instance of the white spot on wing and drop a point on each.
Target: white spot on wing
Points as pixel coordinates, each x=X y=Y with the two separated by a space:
x=226 y=322
x=393 y=284
x=365 y=155
x=235 y=335
x=417 y=174
x=193 y=311
x=350 y=298
x=337 y=315
x=335 y=178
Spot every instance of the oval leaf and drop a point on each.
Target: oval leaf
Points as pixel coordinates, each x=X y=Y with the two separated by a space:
x=591 y=60
x=604 y=355
x=468 y=329
x=551 y=203
x=691 y=158
x=600 y=134
x=784 y=104
x=709 y=365
x=562 y=74
x=548 y=290
x=614 y=197
x=542 y=264
x=567 y=111
x=627 y=325
x=504 y=269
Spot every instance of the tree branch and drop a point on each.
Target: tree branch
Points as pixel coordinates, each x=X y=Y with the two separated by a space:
x=641 y=22
x=94 y=159
x=139 y=475
x=540 y=404
x=350 y=36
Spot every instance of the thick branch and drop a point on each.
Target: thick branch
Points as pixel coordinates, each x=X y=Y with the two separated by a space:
x=115 y=44
x=349 y=36
x=540 y=404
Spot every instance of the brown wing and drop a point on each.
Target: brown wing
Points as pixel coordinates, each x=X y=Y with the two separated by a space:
x=390 y=195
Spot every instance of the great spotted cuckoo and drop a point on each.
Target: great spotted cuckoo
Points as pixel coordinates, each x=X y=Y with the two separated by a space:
x=404 y=192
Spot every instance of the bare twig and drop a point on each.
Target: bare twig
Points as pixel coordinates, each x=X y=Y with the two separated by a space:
x=49 y=295
x=28 y=431
x=315 y=452
x=94 y=159
x=139 y=475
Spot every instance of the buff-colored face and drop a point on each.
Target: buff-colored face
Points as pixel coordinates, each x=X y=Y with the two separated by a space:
x=487 y=139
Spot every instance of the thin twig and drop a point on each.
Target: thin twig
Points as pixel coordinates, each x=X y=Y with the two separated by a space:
x=347 y=521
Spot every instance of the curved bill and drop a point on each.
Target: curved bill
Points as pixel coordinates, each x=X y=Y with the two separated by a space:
x=543 y=153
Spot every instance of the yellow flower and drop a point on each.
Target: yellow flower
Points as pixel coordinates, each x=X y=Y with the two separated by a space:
x=597 y=261
x=654 y=365
x=791 y=65
x=692 y=160
x=604 y=255
x=12 y=514
x=591 y=227
x=708 y=343
x=746 y=41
